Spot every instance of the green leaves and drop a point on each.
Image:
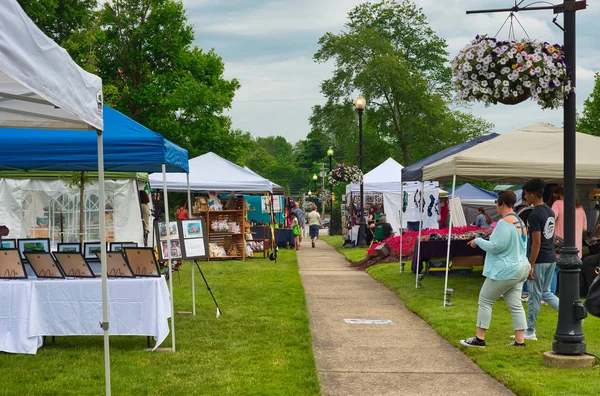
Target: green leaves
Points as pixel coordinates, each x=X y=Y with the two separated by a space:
x=590 y=121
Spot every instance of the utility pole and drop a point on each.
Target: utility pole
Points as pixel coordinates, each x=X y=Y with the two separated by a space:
x=568 y=339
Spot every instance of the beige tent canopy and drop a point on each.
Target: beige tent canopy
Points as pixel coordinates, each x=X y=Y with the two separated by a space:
x=517 y=156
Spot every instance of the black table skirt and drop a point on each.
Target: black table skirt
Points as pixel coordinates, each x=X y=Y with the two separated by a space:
x=438 y=249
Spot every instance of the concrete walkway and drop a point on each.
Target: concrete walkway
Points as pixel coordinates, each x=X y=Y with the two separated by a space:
x=403 y=358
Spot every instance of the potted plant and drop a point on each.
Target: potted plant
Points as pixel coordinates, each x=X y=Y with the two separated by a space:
x=494 y=71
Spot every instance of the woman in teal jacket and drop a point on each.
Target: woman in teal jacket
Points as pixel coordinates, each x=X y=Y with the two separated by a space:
x=506 y=268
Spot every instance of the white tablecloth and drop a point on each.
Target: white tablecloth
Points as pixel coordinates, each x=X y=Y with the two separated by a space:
x=30 y=309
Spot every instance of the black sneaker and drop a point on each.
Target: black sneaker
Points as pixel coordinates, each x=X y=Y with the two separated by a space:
x=473 y=342
x=313 y=244
x=516 y=344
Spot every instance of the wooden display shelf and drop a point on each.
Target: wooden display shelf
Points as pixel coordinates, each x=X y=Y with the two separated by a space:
x=224 y=238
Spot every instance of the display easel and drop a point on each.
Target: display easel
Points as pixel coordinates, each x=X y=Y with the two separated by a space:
x=189 y=241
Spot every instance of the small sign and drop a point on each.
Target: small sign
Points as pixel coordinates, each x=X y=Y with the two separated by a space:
x=266 y=204
x=368 y=321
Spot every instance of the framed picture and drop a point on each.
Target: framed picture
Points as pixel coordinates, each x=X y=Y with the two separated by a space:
x=173 y=229
x=69 y=248
x=175 y=249
x=90 y=249
x=118 y=246
x=195 y=248
x=9 y=244
x=33 y=245
x=192 y=229
x=11 y=266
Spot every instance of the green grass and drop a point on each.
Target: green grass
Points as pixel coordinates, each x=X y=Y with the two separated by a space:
x=354 y=255
x=522 y=370
x=261 y=345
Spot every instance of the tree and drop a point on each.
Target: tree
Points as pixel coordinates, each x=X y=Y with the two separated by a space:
x=389 y=54
x=151 y=72
x=58 y=19
x=590 y=121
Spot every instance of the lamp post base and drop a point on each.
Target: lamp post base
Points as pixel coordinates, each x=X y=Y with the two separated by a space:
x=553 y=360
x=362 y=233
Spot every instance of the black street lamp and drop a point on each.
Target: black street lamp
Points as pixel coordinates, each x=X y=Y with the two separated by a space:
x=568 y=338
x=360 y=103
x=315 y=177
x=330 y=155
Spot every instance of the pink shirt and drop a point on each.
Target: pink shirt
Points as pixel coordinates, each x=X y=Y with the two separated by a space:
x=580 y=223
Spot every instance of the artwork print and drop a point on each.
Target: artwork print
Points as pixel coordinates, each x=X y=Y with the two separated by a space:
x=192 y=229
x=172 y=228
x=175 y=250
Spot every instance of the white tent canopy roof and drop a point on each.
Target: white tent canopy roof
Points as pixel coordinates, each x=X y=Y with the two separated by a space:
x=387 y=177
x=209 y=172
x=517 y=156
x=276 y=188
x=40 y=85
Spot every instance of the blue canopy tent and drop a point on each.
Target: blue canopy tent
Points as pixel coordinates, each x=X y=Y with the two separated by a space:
x=414 y=172
x=128 y=147
x=472 y=198
x=468 y=191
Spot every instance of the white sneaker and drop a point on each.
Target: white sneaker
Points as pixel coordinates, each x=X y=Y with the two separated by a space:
x=527 y=336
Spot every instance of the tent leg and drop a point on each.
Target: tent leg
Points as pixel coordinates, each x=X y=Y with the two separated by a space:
x=449 y=239
x=102 y=218
x=400 y=230
x=189 y=197
x=164 y=172
x=421 y=205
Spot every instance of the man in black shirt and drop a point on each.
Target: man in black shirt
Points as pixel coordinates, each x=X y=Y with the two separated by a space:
x=542 y=256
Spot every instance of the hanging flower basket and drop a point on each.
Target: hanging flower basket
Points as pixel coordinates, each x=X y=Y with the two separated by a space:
x=509 y=72
x=345 y=174
x=324 y=196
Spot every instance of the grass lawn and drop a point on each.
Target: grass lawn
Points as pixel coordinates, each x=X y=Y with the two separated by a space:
x=260 y=345
x=521 y=369
x=354 y=255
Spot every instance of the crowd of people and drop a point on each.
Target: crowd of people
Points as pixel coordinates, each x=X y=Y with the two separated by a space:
x=523 y=248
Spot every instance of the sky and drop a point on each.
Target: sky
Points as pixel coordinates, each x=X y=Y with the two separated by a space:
x=268 y=45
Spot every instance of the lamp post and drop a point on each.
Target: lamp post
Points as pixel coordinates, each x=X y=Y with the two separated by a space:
x=315 y=177
x=330 y=155
x=360 y=103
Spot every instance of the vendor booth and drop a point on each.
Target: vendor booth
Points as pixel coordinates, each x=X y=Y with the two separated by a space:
x=472 y=198
x=517 y=156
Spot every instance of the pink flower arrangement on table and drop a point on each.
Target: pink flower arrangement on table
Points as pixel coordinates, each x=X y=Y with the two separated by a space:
x=409 y=240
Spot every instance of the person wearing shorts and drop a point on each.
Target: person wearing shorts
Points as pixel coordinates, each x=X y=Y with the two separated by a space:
x=314 y=224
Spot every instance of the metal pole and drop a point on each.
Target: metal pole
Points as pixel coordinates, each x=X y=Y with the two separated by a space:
x=400 y=230
x=164 y=170
x=568 y=339
x=330 y=199
x=449 y=237
x=419 y=237
x=189 y=194
x=362 y=225
x=102 y=219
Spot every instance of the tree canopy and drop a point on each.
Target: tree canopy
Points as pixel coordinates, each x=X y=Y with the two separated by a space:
x=590 y=120
x=389 y=53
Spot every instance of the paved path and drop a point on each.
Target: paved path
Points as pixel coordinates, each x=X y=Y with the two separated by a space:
x=403 y=358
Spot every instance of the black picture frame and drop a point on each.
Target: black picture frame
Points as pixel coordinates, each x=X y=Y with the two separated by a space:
x=23 y=246
x=178 y=244
x=41 y=273
x=9 y=243
x=71 y=273
x=142 y=262
x=74 y=247
x=90 y=249
x=200 y=239
x=118 y=246
x=8 y=254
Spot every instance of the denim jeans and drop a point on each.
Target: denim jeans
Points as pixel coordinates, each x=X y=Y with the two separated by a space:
x=539 y=289
x=492 y=290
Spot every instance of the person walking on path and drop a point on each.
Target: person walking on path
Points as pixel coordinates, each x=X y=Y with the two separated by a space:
x=542 y=256
x=506 y=268
x=300 y=216
x=295 y=229
x=314 y=224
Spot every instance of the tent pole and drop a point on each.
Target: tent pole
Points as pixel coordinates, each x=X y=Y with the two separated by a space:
x=449 y=238
x=400 y=230
x=189 y=195
x=168 y=226
x=102 y=219
x=419 y=238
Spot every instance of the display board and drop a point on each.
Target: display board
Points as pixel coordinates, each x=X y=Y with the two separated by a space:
x=266 y=204
x=188 y=239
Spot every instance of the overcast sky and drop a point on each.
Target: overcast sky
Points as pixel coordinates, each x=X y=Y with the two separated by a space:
x=268 y=45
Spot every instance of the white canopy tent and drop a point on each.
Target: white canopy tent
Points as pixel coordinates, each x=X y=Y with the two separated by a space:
x=535 y=150
x=276 y=188
x=41 y=87
x=209 y=172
